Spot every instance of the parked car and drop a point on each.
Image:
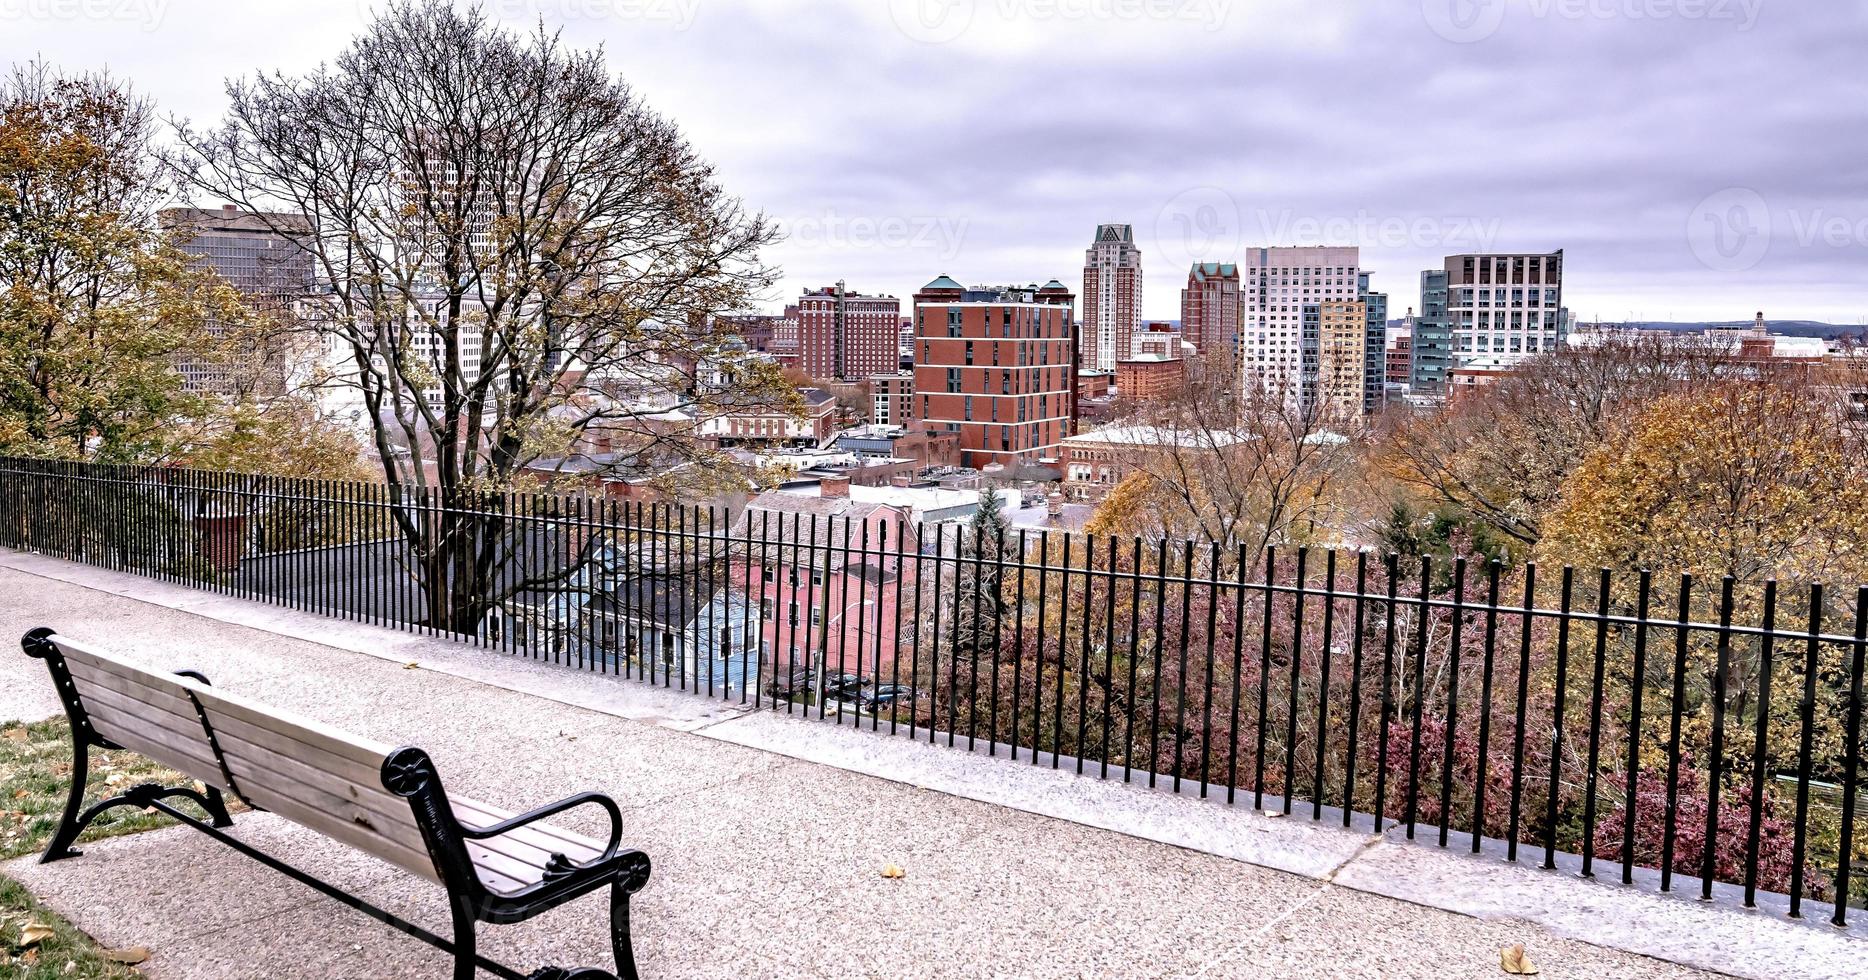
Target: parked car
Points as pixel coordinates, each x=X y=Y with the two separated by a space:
x=799 y=680
x=886 y=696
x=844 y=686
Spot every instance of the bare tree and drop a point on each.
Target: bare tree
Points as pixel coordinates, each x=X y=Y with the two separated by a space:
x=517 y=254
x=1229 y=467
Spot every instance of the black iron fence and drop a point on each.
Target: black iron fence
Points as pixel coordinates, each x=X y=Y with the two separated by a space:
x=1704 y=736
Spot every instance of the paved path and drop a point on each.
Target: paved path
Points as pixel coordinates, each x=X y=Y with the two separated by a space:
x=765 y=866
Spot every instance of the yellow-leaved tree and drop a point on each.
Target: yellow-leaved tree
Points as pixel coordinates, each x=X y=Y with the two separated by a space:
x=1762 y=481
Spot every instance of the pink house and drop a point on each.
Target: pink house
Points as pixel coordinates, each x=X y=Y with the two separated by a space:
x=816 y=588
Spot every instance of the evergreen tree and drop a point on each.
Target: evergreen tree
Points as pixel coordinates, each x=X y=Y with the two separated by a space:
x=981 y=614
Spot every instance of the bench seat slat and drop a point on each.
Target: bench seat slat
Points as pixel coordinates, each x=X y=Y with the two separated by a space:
x=367 y=841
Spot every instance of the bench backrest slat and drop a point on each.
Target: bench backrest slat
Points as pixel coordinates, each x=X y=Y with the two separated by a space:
x=143 y=711
x=271 y=754
x=317 y=776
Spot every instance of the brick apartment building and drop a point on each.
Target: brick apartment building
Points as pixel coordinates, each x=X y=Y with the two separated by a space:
x=1149 y=377
x=996 y=365
x=847 y=336
x=894 y=397
x=1212 y=310
x=1400 y=352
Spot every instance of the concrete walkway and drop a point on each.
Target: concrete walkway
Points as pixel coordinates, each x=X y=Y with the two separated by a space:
x=767 y=864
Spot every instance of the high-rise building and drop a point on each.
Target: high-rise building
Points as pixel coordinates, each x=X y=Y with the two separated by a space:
x=1507 y=307
x=996 y=366
x=846 y=335
x=1342 y=357
x=1375 y=347
x=1432 y=348
x=1112 y=297
x=262 y=255
x=1212 y=311
x=1284 y=291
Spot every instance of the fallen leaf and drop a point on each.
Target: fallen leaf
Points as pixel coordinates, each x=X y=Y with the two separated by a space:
x=1513 y=960
x=132 y=956
x=22 y=794
x=891 y=871
x=201 y=787
x=30 y=956
x=34 y=932
x=1273 y=813
x=15 y=734
x=411 y=665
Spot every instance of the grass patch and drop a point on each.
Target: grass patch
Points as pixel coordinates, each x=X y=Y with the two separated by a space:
x=57 y=949
x=35 y=775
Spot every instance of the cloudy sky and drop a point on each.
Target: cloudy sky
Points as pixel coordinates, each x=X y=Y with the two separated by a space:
x=1696 y=159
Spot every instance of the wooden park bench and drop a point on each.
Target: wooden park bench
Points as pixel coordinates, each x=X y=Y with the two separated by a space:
x=497 y=867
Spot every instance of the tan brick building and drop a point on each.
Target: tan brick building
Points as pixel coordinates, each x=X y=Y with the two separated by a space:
x=1342 y=344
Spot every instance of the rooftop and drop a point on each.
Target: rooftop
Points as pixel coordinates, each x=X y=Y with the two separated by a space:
x=1148 y=435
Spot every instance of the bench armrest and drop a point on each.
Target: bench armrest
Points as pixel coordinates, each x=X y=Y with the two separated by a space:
x=552 y=809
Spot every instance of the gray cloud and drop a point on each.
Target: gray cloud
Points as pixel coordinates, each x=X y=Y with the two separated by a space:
x=1616 y=129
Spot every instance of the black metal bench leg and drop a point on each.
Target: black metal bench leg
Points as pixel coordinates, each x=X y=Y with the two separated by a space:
x=70 y=824
x=216 y=808
x=619 y=929
x=464 y=956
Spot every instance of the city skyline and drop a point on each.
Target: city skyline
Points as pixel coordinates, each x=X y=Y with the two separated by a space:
x=1412 y=132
